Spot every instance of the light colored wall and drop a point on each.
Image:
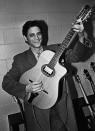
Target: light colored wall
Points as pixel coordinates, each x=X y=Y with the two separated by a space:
x=59 y=15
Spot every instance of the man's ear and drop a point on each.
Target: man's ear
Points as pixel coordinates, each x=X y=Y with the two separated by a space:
x=26 y=41
x=25 y=38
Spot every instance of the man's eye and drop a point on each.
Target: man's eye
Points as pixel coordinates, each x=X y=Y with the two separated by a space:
x=31 y=35
x=39 y=33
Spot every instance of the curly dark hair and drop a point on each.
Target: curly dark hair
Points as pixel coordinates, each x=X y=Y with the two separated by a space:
x=39 y=23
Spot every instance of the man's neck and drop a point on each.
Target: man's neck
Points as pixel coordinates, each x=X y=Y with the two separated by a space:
x=36 y=50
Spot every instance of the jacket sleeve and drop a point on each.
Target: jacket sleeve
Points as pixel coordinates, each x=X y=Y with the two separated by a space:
x=78 y=52
x=11 y=82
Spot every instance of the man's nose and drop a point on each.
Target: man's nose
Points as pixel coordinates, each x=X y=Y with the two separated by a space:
x=36 y=37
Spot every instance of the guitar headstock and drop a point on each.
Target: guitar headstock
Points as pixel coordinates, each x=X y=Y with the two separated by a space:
x=85 y=13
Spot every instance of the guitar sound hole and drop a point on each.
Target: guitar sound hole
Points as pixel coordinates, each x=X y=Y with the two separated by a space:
x=46 y=70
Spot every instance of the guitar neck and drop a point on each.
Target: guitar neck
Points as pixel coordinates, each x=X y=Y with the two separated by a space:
x=66 y=42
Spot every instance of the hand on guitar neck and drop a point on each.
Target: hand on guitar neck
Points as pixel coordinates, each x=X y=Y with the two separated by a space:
x=79 y=28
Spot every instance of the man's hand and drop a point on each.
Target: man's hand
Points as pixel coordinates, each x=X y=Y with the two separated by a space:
x=34 y=87
x=79 y=28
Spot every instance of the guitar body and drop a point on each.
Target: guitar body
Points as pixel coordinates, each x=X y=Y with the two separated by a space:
x=50 y=83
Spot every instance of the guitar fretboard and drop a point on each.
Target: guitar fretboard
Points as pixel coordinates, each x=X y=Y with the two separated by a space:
x=66 y=42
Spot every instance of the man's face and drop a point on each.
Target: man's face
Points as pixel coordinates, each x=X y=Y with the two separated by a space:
x=34 y=37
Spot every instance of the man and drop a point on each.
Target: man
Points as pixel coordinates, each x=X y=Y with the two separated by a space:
x=61 y=116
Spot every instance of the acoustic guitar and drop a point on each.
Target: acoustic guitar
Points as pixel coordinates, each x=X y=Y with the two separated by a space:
x=49 y=71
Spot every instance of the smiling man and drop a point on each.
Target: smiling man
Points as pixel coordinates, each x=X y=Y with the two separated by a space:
x=60 y=116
